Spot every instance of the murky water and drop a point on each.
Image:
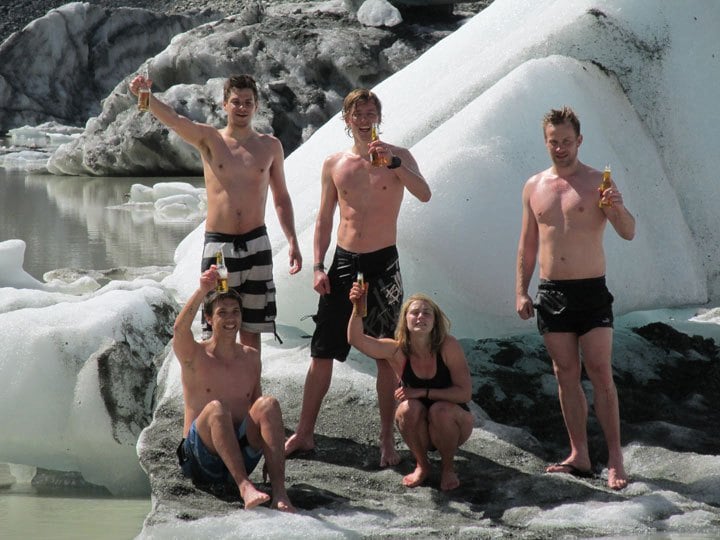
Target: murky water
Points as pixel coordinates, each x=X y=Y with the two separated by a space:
x=75 y=222
x=26 y=516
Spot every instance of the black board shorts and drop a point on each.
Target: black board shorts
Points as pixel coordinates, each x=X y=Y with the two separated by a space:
x=573 y=305
x=381 y=270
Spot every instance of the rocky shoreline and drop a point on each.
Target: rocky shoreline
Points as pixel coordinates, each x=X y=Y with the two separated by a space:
x=504 y=490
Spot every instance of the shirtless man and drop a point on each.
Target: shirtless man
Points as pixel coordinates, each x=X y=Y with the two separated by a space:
x=229 y=425
x=369 y=200
x=562 y=228
x=239 y=165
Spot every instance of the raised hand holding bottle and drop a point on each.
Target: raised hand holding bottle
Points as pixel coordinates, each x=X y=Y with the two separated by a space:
x=222 y=284
x=375 y=158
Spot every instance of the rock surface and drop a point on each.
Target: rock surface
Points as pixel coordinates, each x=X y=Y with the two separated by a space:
x=80 y=52
x=668 y=387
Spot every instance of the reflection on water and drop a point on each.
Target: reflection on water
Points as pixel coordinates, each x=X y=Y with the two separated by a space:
x=69 y=222
x=24 y=516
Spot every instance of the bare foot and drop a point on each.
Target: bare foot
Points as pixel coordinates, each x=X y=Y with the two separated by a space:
x=283 y=504
x=449 y=480
x=617 y=479
x=416 y=477
x=388 y=455
x=570 y=468
x=296 y=443
x=252 y=496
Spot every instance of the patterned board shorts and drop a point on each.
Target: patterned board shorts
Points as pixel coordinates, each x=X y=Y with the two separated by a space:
x=381 y=270
x=248 y=258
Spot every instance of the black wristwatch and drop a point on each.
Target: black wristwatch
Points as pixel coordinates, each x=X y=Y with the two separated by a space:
x=395 y=162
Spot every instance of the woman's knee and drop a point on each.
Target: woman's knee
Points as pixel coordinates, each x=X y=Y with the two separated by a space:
x=441 y=412
x=410 y=411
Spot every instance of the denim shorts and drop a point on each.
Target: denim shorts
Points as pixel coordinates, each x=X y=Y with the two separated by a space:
x=198 y=463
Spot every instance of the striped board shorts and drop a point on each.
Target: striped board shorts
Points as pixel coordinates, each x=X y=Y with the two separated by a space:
x=248 y=258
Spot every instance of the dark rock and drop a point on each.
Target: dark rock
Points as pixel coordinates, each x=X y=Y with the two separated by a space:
x=519 y=429
x=48 y=482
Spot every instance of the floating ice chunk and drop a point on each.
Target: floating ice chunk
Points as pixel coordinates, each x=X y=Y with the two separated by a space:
x=26 y=160
x=12 y=256
x=177 y=206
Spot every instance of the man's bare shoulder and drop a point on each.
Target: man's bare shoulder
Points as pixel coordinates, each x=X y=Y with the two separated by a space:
x=248 y=351
x=536 y=179
x=269 y=140
x=588 y=171
x=337 y=157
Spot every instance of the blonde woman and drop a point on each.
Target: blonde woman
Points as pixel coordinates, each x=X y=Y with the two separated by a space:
x=435 y=385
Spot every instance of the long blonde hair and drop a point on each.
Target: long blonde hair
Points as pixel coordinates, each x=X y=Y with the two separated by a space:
x=440 y=330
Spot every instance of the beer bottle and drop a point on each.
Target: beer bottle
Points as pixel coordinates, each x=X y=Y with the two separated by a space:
x=375 y=158
x=144 y=93
x=361 y=309
x=605 y=184
x=222 y=284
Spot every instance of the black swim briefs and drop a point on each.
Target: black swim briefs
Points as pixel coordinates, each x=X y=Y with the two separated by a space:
x=381 y=270
x=573 y=305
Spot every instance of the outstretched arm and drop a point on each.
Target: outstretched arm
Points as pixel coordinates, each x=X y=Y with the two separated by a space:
x=184 y=343
x=191 y=132
x=380 y=349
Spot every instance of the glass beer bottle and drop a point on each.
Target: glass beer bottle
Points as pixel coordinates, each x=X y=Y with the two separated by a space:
x=375 y=158
x=144 y=93
x=222 y=284
x=605 y=184
x=361 y=307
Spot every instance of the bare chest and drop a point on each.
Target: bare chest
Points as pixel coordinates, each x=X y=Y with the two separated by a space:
x=557 y=201
x=232 y=383
x=360 y=185
x=246 y=165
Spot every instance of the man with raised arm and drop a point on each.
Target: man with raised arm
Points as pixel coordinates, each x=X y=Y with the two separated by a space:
x=369 y=199
x=563 y=222
x=228 y=424
x=239 y=165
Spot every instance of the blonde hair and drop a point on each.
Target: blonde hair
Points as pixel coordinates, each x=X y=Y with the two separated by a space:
x=557 y=117
x=440 y=330
x=359 y=95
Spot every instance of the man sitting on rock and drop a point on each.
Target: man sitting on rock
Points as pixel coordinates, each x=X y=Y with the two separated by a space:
x=229 y=425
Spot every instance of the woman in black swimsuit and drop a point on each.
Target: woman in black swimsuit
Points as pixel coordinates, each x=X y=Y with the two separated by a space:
x=435 y=383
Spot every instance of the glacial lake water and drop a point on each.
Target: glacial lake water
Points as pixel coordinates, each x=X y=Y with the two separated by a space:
x=79 y=222
x=27 y=516
x=71 y=222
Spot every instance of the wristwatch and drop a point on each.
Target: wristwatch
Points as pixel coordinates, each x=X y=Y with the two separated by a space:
x=395 y=162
